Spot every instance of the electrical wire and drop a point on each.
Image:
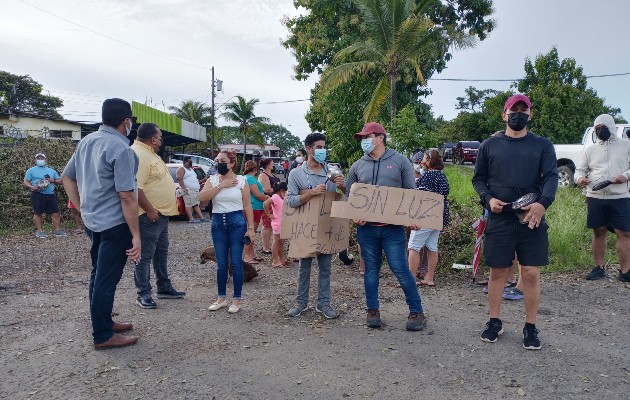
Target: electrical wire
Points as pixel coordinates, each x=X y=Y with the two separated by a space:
x=114 y=39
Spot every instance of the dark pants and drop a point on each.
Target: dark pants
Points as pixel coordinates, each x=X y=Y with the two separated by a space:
x=154 y=236
x=108 y=261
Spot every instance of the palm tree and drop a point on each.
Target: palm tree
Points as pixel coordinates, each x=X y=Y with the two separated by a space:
x=241 y=111
x=193 y=111
x=399 y=37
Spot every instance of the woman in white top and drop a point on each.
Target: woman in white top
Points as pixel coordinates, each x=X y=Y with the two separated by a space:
x=230 y=200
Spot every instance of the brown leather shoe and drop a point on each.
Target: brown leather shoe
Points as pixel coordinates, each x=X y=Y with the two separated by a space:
x=122 y=326
x=117 y=340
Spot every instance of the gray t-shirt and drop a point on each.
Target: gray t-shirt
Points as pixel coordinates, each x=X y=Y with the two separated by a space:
x=103 y=165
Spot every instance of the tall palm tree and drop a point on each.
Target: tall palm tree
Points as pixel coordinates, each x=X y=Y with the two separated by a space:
x=193 y=111
x=399 y=37
x=241 y=111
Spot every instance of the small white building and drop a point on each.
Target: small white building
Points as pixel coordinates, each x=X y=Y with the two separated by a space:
x=20 y=125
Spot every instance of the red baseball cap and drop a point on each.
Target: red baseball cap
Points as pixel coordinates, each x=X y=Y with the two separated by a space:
x=515 y=99
x=370 y=127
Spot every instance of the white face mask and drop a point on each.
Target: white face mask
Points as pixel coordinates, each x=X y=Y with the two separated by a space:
x=417 y=168
x=299 y=160
x=128 y=128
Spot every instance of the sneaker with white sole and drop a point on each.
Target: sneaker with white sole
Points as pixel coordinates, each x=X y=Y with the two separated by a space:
x=217 y=306
x=530 y=337
x=326 y=310
x=297 y=309
x=60 y=233
x=41 y=235
x=494 y=328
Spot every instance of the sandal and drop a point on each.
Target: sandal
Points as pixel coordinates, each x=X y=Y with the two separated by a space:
x=258 y=258
x=427 y=284
x=266 y=252
x=251 y=262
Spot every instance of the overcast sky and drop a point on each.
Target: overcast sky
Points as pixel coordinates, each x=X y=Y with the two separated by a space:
x=241 y=39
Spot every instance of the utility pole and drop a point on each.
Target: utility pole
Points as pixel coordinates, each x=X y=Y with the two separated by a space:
x=212 y=122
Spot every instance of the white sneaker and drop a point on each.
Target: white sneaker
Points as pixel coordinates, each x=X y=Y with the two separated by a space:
x=217 y=306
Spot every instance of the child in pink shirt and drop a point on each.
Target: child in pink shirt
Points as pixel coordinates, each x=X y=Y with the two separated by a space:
x=273 y=210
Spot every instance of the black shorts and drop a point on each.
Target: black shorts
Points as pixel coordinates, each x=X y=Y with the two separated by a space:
x=608 y=212
x=505 y=237
x=44 y=203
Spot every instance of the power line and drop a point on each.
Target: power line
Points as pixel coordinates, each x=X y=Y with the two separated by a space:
x=286 y=101
x=112 y=38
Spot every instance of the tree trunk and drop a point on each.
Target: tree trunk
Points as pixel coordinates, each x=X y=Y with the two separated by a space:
x=392 y=88
x=244 y=150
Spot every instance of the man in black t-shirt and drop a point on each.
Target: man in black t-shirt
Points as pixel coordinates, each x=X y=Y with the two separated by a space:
x=509 y=165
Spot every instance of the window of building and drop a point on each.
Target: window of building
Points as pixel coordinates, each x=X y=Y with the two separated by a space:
x=60 y=134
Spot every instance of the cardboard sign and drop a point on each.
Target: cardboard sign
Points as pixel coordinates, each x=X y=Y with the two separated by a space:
x=390 y=205
x=312 y=230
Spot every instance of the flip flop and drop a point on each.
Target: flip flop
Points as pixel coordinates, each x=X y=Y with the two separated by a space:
x=251 y=262
x=266 y=252
x=427 y=284
x=258 y=259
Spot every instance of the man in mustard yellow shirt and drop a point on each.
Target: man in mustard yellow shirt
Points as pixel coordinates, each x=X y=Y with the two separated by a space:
x=156 y=202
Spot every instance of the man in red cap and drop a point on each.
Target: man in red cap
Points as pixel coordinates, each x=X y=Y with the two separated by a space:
x=384 y=167
x=511 y=164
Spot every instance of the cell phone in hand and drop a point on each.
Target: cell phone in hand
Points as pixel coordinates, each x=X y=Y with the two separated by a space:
x=246 y=240
x=46 y=176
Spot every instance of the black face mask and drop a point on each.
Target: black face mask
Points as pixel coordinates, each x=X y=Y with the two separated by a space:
x=603 y=133
x=222 y=168
x=517 y=121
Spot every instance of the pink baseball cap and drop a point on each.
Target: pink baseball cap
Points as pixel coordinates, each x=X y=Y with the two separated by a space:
x=370 y=127
x=515 y=99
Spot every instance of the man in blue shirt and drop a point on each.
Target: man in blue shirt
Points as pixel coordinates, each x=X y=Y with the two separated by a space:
x=41 y=180
x=100 y=180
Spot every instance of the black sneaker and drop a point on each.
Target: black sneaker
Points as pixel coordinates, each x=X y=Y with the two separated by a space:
x=530 y=337
x=416 y=321
x=146 y=301
x=597 y=273
x=494 y=328
x=373 y=318
x=170 y=293
x=624 y=277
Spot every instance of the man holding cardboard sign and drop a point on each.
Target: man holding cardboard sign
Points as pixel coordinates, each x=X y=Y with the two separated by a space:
x=308 y=188
x=384 y=167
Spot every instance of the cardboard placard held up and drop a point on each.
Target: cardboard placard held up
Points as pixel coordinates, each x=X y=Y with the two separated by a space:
x=390 y=205
x=312 y=230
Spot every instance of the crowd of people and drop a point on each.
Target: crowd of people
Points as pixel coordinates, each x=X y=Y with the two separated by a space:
x=125 y=197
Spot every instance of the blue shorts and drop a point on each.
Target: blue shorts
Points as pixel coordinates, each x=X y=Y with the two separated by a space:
x=424 y=237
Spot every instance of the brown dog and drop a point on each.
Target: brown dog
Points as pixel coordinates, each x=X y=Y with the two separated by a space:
x=249 y=272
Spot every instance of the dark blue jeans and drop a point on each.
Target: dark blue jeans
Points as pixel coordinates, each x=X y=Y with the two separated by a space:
x=154 y=236
x=227 y=234
x=391 y=239
x=108 y=261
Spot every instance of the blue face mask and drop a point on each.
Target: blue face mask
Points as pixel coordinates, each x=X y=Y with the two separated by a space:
x=40 y=163
x=367 y=146
x=320 y=155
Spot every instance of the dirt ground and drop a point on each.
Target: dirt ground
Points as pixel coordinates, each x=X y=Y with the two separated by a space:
x=188 y=352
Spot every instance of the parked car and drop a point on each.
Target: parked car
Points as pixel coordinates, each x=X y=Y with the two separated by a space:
x=201 y=175
x=208 y=165
x=465 y=151
x=569 y=155
x=446 y=150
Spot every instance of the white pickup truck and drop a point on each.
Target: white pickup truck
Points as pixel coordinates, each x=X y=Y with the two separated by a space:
x=569 y=155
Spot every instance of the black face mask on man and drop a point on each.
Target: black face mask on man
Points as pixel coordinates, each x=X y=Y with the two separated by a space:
x=222 y=168
x=602 y=132
x=517 y=120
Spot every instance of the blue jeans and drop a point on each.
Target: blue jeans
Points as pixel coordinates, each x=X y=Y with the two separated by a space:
x=227 y=234
x=392 y=240
x=323 y=281
x=108 y=261
x=154 y=236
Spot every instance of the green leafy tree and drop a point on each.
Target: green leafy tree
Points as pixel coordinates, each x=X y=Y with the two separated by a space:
x=241 y=111
x=22 y=93
x=474 y=98
x=193 y=111
x=399 y=37
x=279 y=136
x=331 y=25
x=405 y=132
x=562 y=103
